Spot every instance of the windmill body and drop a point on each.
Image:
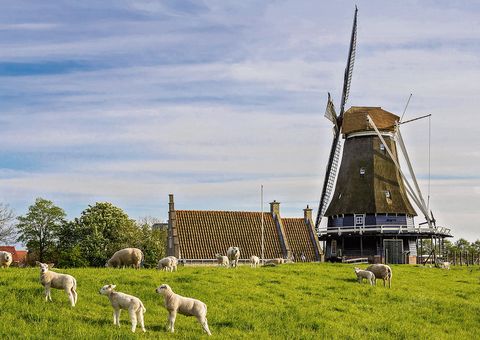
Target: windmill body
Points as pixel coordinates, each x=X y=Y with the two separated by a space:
x=365 y=196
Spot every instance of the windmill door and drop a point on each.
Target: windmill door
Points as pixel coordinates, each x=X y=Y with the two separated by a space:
x=393 y=251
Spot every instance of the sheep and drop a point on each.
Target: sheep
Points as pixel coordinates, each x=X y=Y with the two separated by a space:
x=168 y=263
x=365 y=274
x=254 y=261
x=6 y=259
x=381 y=271
x=126 y=257
x=121 y=301
x=222 y=260
x=443 y=265
x=277 y=260
x=187 y=306
x=233 y=254
x=51 y=279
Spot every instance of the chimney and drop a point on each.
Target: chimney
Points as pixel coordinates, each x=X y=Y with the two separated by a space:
x=171 y=205
x=307 y=213
x=275 y=208
x=173 y=244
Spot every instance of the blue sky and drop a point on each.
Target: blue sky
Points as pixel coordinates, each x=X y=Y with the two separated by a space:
x=128 y=101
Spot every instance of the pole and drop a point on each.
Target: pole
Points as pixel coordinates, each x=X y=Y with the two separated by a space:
x=263 y=236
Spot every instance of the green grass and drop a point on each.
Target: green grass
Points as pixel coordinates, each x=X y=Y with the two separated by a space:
x=299 y=301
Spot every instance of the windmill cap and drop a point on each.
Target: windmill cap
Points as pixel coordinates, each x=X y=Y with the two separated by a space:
x=355 y=119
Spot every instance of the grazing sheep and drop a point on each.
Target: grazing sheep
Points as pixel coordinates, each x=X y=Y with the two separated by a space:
x=233 y=254
x=168 y=263
x=277 y=260
x=365 y=274
x=5 y=259
x=381 y=271
x=444 y=265
x=254 y=261
x=187 y=306
x=59 y=281
x=126 y=257
x=121 y=301
x=222 y=260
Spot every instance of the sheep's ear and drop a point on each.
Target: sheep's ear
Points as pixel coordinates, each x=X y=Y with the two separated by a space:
x=51 y=265
x=113 y=286
x=38 y=263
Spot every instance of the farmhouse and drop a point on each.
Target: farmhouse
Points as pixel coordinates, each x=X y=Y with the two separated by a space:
x=199 y=235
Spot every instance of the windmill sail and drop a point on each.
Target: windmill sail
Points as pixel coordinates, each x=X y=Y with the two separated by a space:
x=333 y=159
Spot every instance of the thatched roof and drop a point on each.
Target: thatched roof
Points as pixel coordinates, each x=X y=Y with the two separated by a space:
x=355 y=119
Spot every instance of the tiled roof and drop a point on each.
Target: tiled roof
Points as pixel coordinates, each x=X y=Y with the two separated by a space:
x=202 y=234
x=299 y=238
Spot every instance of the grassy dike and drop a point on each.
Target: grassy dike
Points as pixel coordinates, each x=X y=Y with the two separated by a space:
x=294 y=301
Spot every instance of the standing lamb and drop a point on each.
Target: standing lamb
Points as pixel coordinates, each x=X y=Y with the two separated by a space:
x=126 y=257
x=6 y=259
x=233 y=254
x=59 y=281
x=382 y=271
x=222 y=260
x=254 y=261
x=187 y=306
x=168 y=263
x=121 y=301
x=365 y=274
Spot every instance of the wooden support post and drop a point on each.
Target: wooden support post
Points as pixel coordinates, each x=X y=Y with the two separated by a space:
x=416 y=246
x=361 y=245
x=421 y=250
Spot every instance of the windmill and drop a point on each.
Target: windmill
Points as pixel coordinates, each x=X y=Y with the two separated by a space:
x=365 y=193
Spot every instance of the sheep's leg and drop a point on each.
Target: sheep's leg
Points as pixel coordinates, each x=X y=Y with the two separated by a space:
x=48 y=296
x=203 y=321
x=171 y=319
x=70 y=296
x=140 y=319
x=75 y=295
x=133 y=317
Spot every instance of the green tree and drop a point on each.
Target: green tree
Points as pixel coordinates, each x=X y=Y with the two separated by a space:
x=38 y=228
x=7 y=226
x=462 y=244
x=102 y=229
x=152 y=241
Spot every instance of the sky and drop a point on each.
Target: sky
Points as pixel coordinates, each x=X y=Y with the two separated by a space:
x=129 y=101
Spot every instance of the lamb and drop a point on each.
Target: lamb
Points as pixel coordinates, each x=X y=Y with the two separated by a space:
x=121 y=301
x=254 y=261
x=365 y=274
x=51 y=279
x=233 y=254
x=381 y=271
x=168 y=263
x=6 y=259
x=277 y=260
x=222 y=260
x=187 y=306
x=126 y=257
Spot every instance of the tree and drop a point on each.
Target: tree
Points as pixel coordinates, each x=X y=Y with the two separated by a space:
x=38 y=229
x=102 y=230
x=7 y=226
x=153 y=241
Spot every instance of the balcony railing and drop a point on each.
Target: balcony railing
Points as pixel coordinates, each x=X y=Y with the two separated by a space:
x=386 y=229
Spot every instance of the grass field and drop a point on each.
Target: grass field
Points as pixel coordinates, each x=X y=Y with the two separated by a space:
x=299 y=301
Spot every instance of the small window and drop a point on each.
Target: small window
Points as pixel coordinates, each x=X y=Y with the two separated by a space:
x=362 y=171
x=382 y=147
x=359 y=219
x=333 y=247
x=388 y=194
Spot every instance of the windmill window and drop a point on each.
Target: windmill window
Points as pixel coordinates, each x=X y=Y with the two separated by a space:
x=382 y=147
x=362 y=171
x=388 y=194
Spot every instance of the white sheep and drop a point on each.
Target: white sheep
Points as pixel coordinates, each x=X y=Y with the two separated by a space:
x=121 y=301
x=381 y=271
x=233 y=254
x=277 y=260
x=444 y=265
x=51 y=279
x=126 y=257
x=168 y=263
x=187 y=306
x=6 y=259
x=365 y=274
x=254 y=261
x=222 y=260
